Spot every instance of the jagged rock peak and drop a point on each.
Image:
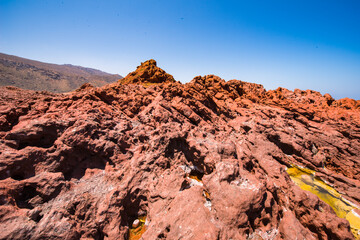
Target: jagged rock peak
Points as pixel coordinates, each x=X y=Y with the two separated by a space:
x=85 y=86
x=148 y=73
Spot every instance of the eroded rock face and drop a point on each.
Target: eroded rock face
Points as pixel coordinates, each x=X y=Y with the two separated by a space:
x=148 y=73
x=202 y=160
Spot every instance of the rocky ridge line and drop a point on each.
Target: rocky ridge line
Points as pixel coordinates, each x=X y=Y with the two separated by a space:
x=202 y=160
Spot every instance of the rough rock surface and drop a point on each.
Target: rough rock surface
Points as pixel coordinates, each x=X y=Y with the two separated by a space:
x=202 y=160
x=146 y=74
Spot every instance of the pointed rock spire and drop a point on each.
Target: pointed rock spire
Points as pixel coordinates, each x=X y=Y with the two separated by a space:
x=147 y=73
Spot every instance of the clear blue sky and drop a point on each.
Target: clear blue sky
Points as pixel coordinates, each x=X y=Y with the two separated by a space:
x=293 y=44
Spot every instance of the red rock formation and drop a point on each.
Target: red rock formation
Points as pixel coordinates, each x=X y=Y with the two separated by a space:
x=202 y=160
x=147 y=73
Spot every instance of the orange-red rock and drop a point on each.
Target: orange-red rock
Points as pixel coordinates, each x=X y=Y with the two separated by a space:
x=87 y=164
x=147 y=73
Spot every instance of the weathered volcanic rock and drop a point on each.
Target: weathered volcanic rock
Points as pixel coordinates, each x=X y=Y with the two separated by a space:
x=202 y=160
x=147 y=73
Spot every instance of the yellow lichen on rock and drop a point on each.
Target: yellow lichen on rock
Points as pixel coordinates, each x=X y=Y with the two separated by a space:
x=306 y=179
x=138 y=228
x=197 y=178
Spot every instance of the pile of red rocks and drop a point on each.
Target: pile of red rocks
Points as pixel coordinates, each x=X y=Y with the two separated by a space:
x=147 y=73
x=202 y=160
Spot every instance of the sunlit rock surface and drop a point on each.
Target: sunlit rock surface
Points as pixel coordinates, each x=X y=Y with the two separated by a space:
x=343 y=208
x=152 y=158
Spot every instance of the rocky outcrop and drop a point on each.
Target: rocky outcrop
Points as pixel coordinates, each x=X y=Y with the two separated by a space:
x=202 y=160
x=147 y=73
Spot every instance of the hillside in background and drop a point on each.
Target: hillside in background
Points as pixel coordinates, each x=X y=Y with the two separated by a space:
x=35 y=75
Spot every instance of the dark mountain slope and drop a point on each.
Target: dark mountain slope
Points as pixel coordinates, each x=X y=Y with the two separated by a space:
x=35 y=75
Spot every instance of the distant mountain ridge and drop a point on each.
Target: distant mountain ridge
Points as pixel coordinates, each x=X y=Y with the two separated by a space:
x=35 y=75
